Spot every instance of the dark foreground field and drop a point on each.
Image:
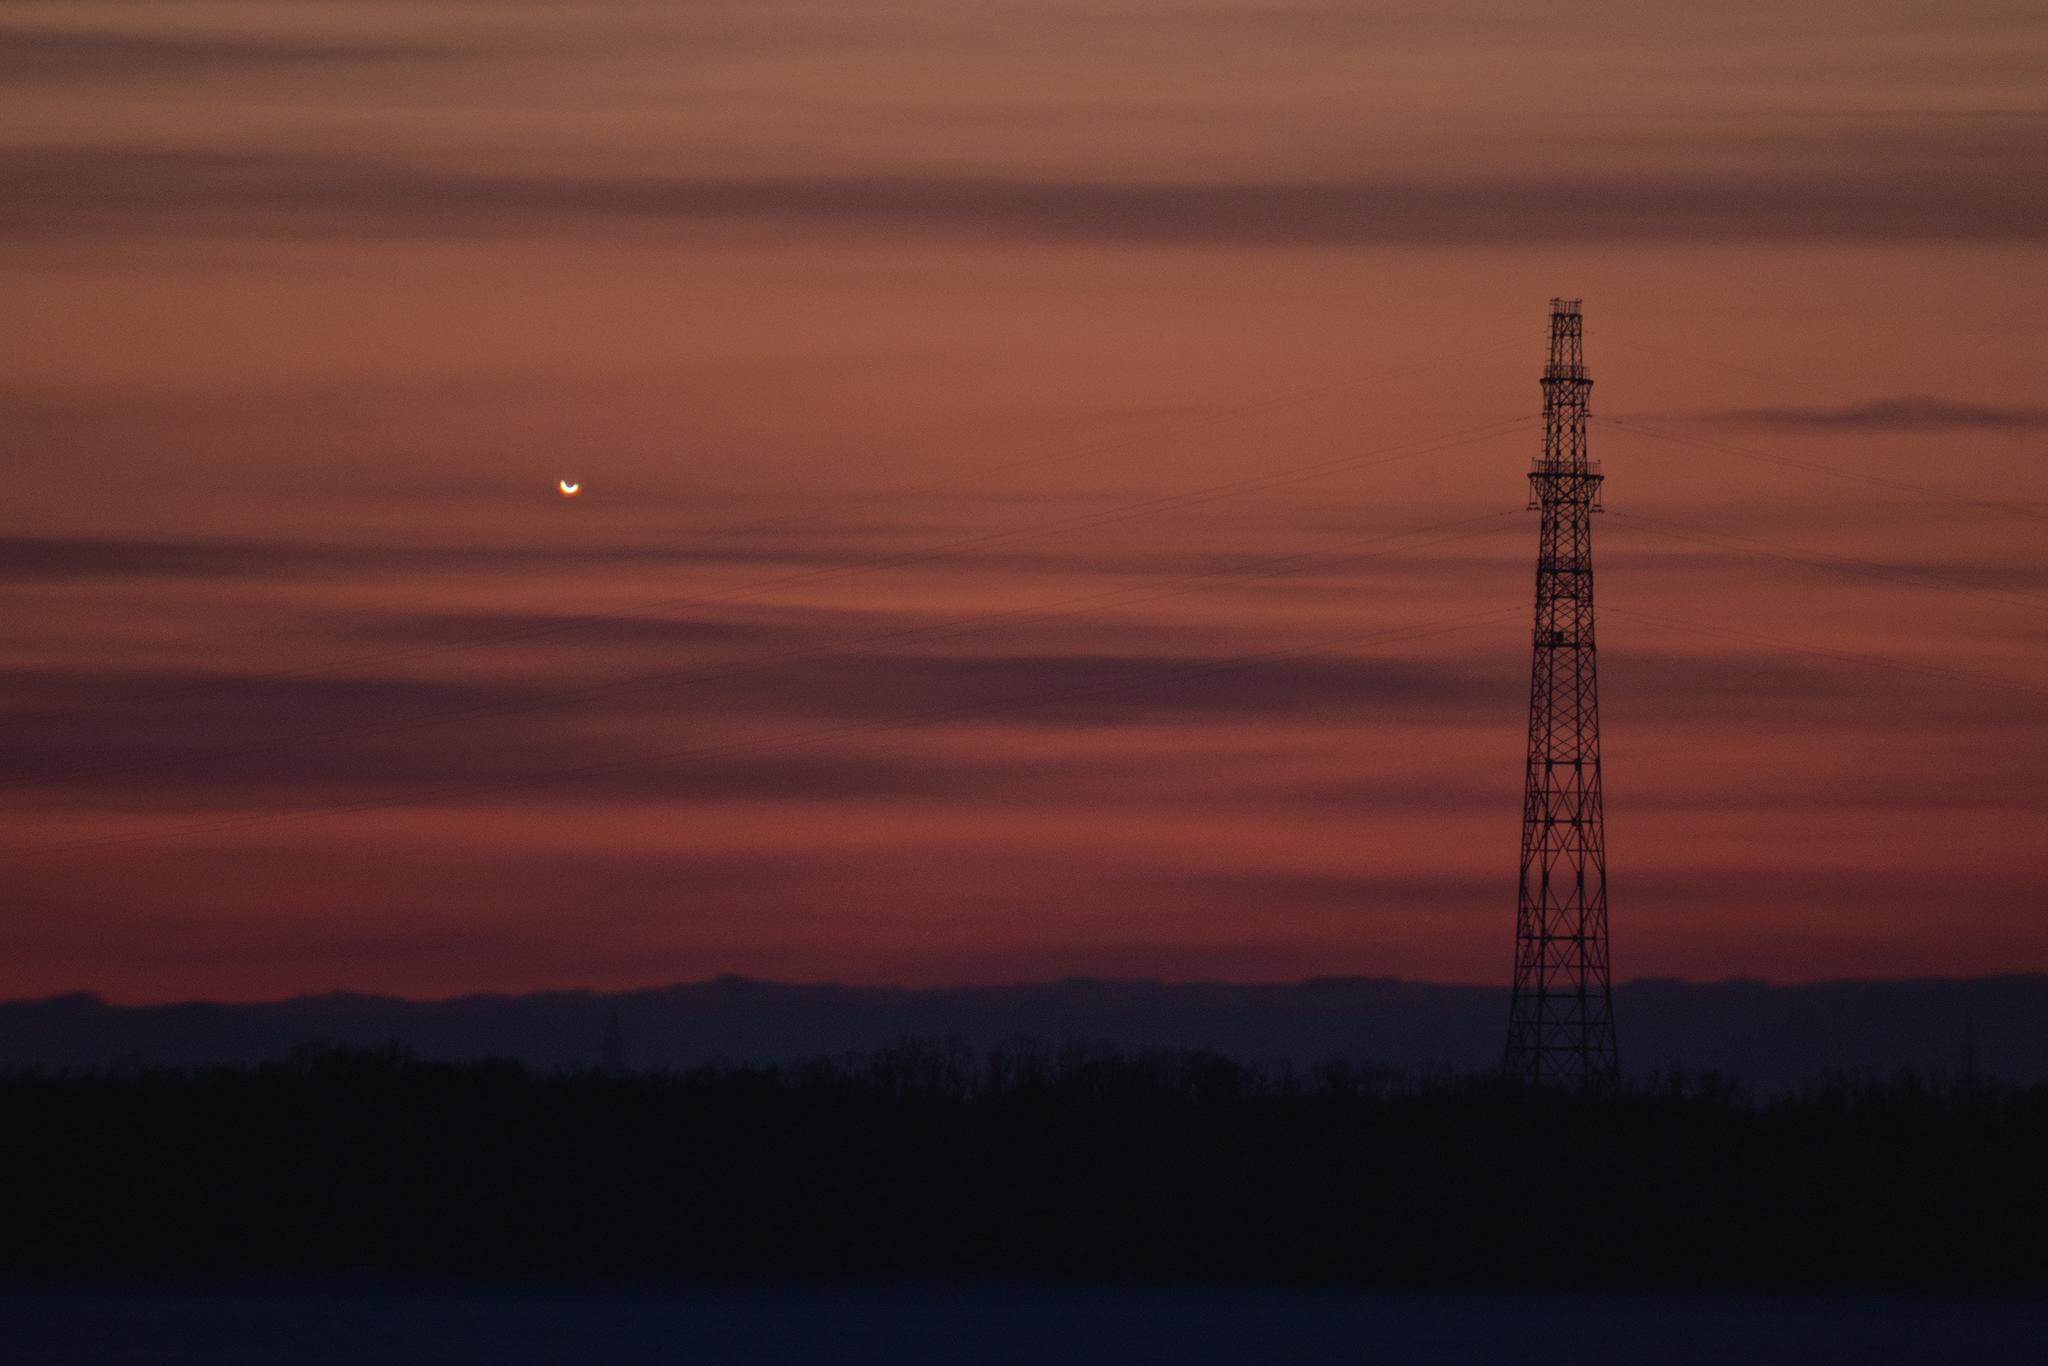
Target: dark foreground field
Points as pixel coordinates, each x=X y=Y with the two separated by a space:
x=354 y=1321
x=1078 y=1165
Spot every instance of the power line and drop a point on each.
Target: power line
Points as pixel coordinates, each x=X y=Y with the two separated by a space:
x=1111 y=445
x=982 y=622
x=1865 y=657
x=840 y=503
x=966 y=711
x=1834 y=471
x=1822 y=559
x=1381 y=455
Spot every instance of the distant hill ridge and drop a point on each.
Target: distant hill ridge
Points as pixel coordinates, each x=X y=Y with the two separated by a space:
x=1773 y=1035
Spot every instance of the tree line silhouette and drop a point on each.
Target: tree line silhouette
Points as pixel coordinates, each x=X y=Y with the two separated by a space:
x=1072 y=1162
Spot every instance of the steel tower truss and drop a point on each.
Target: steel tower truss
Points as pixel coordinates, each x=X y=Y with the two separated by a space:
x=1561 y=1015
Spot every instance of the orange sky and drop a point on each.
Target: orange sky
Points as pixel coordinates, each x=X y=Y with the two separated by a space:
x=1053 y=487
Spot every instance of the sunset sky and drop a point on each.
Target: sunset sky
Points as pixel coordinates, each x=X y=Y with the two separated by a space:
x=1053 y=487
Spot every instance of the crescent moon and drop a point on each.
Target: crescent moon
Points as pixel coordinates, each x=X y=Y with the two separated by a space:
x=570 y=490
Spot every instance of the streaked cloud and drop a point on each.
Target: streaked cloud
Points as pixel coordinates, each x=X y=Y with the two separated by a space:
x=36 y=53
x=928 y=612
x=141 y=190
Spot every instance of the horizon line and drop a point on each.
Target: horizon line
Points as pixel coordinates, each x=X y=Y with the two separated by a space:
x=733 y=979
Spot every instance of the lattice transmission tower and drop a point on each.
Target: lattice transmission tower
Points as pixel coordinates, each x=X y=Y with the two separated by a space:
x=1561 y=1014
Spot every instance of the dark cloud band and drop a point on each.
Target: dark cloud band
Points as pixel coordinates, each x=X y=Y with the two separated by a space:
x=38 y=54
x=139 y=190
